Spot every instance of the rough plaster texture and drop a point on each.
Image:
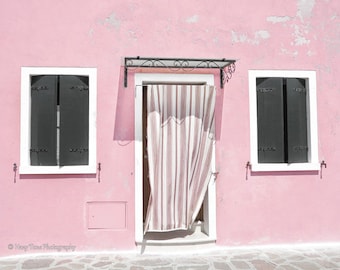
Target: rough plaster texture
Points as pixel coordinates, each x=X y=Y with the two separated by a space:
x=267 y=208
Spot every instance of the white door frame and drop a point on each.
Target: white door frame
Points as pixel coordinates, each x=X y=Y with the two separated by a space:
x=210 y=199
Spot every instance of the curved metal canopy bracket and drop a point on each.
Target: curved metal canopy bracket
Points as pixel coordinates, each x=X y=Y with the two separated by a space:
x=226 y=66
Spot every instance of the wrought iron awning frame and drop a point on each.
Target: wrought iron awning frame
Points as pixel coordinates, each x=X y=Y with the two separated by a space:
x=226 y=66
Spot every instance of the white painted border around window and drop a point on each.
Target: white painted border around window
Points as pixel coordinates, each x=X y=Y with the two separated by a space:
x=313 y=163
x=25 y=167
x=210 y=206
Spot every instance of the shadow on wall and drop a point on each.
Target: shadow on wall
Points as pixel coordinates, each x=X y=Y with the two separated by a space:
x=57 y=176
x=125 y=111
x=283 y=173
x=124 y=127
x=219 y=108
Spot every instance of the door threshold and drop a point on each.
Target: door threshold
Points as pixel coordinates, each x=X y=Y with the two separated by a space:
x=176 y=245
x=194 y=236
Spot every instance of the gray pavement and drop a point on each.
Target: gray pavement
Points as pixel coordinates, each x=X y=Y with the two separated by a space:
x=264 y=258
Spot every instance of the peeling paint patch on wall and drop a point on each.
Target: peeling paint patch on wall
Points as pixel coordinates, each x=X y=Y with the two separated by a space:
x=332 y=37
x=192 y=19
x=305 y=8
x=299 y=27
x=278 y=19
x=299 y=35
x=112 y=21
x=290 y=53
x=257 y=37
x=90 y=33
x=262 y=35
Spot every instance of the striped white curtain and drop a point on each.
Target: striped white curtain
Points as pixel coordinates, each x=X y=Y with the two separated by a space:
x=180 y=137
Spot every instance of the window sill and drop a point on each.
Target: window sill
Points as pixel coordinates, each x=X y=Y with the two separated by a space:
x=57 y=170
x=256 y=167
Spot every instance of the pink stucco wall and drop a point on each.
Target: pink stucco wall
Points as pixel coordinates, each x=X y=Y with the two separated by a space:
x=268 y=208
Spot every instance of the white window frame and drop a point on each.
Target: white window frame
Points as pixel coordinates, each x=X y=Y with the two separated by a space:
x=209 y=225
x=25 y=133
x=312 y=128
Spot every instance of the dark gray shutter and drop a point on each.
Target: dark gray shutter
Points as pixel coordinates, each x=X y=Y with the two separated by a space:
x=43 y=120
x=297 y=144
x=270 y=123
x=74 y=120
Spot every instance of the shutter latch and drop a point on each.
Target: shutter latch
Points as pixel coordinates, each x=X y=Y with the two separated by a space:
x=323 y=164
x=248 y=167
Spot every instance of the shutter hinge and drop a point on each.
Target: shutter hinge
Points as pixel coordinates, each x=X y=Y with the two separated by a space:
x=36 y=150
x=79 y=150
x=300 y=148
x=267 y=148
x=79 y=87
x=300 y=89
x=39 y=88
x=265 y=89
